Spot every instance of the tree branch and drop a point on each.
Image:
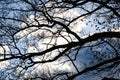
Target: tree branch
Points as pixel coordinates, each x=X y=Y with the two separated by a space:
x=81 y=42
x=94 y=67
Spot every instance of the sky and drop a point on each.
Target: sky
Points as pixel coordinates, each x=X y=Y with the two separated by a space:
x=33 y=43
x=78 y=26
x=42 y=46
x=28 y=44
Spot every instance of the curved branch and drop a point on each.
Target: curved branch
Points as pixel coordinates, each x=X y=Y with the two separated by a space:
x=81 y=42
x=94 y=67
x=97 y=36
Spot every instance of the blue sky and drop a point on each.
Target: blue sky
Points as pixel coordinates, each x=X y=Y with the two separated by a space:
x=31 y=42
